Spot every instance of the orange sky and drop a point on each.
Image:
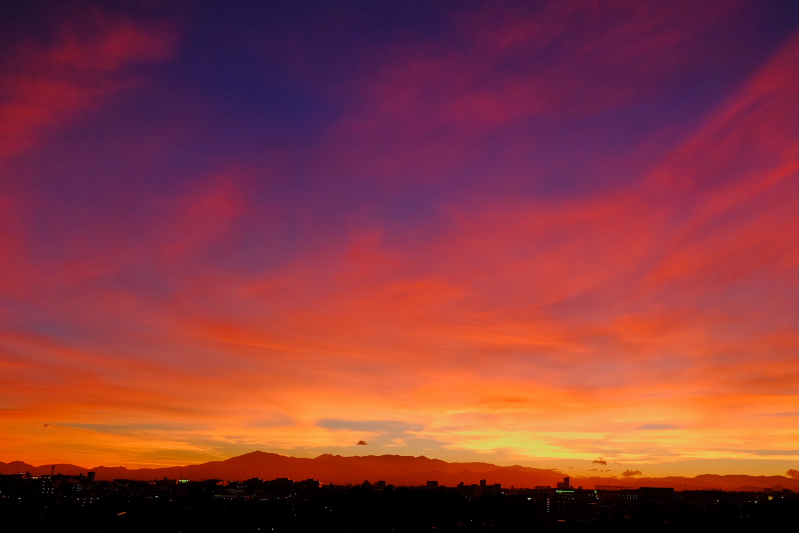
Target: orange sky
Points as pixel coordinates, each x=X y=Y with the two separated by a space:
x=536 y=237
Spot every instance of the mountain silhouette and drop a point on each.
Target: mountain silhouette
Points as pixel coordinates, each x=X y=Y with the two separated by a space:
x=396 y=469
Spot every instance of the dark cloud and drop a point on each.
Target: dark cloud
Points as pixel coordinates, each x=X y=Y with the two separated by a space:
x=792 y=473
x=379 y=426
x=361 y=443
x=600 y=461
x=631 y=473
x=768 y=452
x=130 y=429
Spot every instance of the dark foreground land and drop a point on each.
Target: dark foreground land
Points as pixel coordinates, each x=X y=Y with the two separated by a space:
x=64 y=504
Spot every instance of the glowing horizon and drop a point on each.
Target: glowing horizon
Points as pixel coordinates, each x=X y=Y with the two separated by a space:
x=517 y=234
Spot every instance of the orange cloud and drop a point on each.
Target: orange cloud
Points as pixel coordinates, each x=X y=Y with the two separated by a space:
x=635 y=323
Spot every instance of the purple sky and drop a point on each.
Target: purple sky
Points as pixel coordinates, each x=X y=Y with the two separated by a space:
x=534 y=233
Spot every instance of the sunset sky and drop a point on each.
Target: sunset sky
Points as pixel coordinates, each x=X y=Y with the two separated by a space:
x=533 y=233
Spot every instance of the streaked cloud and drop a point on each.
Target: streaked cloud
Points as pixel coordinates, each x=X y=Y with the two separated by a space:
x=378 y=426
x=517 y=234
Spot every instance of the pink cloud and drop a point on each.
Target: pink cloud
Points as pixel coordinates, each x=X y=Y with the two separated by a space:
x=424 y=110
x=49 y=84
x=507 y=317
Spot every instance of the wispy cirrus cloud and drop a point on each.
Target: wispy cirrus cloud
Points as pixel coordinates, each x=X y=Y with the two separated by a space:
x=48 y=83
x=451 y=249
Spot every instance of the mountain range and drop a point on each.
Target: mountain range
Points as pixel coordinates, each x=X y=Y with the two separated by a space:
x=395 y=469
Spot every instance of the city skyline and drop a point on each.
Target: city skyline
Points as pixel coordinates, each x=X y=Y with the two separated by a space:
x=559 y=236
